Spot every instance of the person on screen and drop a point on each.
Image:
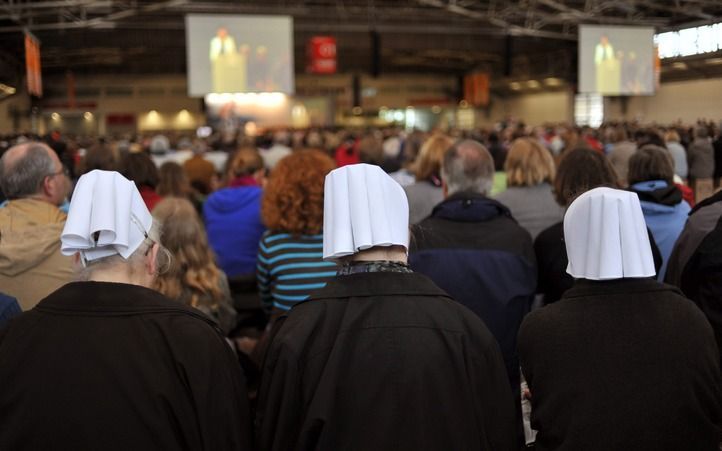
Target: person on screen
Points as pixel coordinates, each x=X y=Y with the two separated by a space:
x=606 y=67
x=603 y=51
x=222 y=44
x=228 y=66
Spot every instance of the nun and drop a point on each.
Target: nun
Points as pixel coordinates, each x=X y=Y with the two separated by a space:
x=621 y=362
x=380 y=358
x=107 y=363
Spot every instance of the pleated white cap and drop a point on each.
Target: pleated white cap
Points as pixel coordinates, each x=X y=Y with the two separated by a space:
x=606 y=236
x=363 y=208
x=106 y=203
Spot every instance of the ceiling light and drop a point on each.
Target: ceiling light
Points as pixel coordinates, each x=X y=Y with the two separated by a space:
x=679 y=65
x=551 y=81
x=515 y=86
x=713 y=61
x=533 y=84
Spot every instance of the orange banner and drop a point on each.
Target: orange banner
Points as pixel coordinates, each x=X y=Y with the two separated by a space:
x=32 y=65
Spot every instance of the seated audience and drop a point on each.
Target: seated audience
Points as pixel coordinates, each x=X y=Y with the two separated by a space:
x=139 y=168
x=193 y=277
x=621 y=362
x=529 y=174
x=31 y=265
x=232 y=216
x=200 y=171
x=9 y=309
x=693 y=265
x=472 y=248
x=651 y=175
x=380 y=358
x=107 y=363
x=425 y=193
x=290 y=264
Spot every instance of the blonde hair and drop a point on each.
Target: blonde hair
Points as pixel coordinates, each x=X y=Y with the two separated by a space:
x=528 y=164
x=193 y=276
x=671 y=136
x=431 y=156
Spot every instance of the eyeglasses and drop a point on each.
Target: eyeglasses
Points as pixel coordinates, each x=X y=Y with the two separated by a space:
x=63 y=171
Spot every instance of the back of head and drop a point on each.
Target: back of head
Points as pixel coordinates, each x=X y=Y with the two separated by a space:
x=172 y=180
x=528 y=163
x=468 y=167
x=671 y=136
x=579 y=171
x=99 y=156
x=701 y=132
x=139 y=168
x=193 y=271
x=651 y=163
x=245 y=162
x=293 y=196
x=430 y=158
x=606 y=236
x=23 y=169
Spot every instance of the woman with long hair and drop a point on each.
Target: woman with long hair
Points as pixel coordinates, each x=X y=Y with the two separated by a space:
x=194 y=278
x=426 y=192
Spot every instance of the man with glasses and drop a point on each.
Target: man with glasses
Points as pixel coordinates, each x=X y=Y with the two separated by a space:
x=35 y=183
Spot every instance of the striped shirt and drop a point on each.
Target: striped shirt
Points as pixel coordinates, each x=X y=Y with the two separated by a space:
x=290 y=268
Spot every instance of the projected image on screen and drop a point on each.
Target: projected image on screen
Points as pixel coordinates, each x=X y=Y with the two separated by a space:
x=616 y=60
x=230 y=54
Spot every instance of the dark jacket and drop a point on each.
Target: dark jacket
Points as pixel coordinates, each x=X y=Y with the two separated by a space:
x=473 y=249
x=383 y=361
x=695 y=265
x=119 y=367
x=552 y=260
x=701 y=159
x=628 y=364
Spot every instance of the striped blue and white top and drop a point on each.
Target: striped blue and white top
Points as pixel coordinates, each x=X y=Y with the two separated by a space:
x=290 y=268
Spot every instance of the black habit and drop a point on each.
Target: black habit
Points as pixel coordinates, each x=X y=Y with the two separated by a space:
x=108 y=366
x=384 y=361
x=627 y=364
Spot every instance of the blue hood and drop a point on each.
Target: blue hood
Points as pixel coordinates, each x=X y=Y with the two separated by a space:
x=233 y=199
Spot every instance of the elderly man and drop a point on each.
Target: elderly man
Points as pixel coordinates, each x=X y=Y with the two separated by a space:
x=31 y=265
x=474 y=250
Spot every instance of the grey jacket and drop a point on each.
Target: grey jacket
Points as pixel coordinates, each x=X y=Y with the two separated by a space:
x=701 y=159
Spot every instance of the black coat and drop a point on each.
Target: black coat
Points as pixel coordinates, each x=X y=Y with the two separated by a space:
x=107 y=366
x=628 y=364
x=383 y=361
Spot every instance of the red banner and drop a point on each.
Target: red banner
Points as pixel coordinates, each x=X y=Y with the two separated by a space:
x=321 y=53
x=32 y=65
x=476 y=89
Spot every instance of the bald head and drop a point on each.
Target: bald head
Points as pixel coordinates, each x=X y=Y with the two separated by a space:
x=468 y=166
x=24 y=169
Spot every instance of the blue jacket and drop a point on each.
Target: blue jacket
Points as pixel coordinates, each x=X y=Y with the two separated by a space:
x=474 y=250
x=665 y=214
x=9 y=309
x=233 y=223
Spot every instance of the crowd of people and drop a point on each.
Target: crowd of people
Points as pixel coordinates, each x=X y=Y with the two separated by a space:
x=364 y=289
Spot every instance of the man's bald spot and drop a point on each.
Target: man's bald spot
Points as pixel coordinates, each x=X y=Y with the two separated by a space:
x=473 y=155
x=17 y=152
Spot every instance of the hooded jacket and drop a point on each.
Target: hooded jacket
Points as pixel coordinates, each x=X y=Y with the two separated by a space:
x=473 y=249
x=665 y=213
x=31 y=265
x=233 y=223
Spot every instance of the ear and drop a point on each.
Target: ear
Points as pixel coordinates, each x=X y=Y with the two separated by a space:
x=151 y=260
x=260 y=176
x=444 y=188
x=48 y=187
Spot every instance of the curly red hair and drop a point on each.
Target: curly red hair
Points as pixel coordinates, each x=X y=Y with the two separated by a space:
x=293 y=196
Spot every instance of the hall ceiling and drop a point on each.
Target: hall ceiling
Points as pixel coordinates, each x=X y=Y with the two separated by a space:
x=416 y=36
